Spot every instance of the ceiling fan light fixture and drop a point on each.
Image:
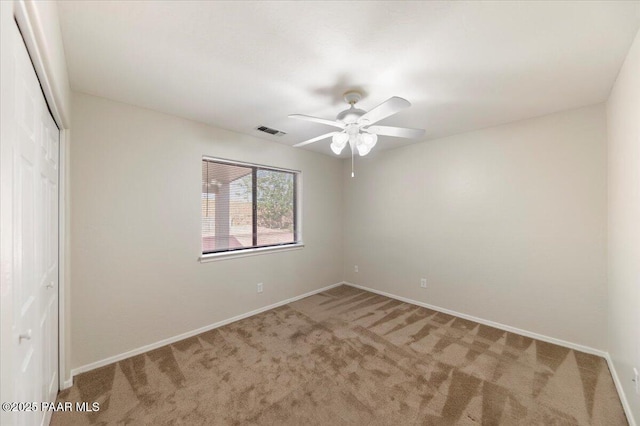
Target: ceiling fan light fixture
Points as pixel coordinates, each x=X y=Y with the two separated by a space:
x=338 y=142
x=358 y=127
x=363 y=149
x=340 y=139
x=337 y=149
x=369 y=139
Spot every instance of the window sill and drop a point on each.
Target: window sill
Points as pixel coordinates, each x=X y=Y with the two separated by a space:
x=214 y=257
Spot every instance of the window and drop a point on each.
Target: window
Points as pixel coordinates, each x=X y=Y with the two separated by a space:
x=246 y=206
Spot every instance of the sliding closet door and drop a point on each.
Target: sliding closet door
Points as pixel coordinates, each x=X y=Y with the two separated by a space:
x=32 y=148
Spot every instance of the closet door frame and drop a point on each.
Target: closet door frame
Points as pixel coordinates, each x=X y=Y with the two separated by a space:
x=27 y=17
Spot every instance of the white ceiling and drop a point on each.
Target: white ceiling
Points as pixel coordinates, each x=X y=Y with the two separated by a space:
x=238 y=65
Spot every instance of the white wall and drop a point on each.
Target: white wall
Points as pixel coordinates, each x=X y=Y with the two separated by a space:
x=507 y=224
x=135 y=233
x=623 y=123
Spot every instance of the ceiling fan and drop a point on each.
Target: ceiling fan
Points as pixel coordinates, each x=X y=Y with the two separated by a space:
x=357 y=127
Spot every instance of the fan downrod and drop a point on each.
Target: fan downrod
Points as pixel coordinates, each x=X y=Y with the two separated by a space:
x=352 y=114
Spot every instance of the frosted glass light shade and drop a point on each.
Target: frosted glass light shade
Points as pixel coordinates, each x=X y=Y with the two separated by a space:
x=336 y=148
x=363 y=142
x=340 y=138
x=369 y=139
x=339 y=141
x=363 y=149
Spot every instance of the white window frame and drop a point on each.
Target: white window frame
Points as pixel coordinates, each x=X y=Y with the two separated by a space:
x=254 y=251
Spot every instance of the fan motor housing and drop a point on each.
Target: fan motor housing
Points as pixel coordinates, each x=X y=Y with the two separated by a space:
x=351 y=115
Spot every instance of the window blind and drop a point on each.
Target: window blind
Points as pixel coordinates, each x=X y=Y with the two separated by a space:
x=245 y=206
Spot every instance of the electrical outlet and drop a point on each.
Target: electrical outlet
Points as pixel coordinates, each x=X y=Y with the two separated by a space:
x=636 y=379
x=260 y=288
x=355 y=268
x=423 y=282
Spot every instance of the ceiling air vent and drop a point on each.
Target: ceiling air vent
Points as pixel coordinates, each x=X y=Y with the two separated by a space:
x=270 y=131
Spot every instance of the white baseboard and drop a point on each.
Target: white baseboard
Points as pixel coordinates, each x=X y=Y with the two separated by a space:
x=621 y=394
x=494 y=324
x=570 y=345
x=156 y=345
x=625 y=403
x=67 y=383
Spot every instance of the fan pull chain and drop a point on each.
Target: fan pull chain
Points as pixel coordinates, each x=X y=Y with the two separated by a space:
x=352 y=173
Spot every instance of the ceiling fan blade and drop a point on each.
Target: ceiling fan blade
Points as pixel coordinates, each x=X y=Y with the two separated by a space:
x=398 y=132
x=316 y=139
x=389 y=107
x=317 y=120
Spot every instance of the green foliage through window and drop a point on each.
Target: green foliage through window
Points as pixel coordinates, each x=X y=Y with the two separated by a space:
x=275 y=199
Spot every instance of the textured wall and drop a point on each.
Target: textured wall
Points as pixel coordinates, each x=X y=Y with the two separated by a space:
x=507 y=224
x=136 y=278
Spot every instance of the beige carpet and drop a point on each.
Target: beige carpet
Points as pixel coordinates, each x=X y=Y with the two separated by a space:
x=350 y=357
